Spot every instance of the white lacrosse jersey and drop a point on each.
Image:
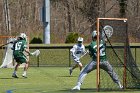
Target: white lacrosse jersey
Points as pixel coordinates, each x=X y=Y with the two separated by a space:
x=78 y=50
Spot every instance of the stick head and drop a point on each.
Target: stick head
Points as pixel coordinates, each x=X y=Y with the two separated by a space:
x=107 y=31
x=36 y=53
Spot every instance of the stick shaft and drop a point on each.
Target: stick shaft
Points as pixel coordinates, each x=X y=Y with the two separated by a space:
x=84 y=54
x=5 y=44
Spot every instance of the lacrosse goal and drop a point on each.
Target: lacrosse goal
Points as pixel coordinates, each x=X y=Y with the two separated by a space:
x=119 y=55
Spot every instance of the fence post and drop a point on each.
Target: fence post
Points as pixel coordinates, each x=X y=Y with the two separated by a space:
x=37 y=61
x=136 y=55
x=69 y=58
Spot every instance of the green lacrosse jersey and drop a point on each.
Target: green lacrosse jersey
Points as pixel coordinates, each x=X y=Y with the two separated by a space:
x=93 y=50
x=19 y=47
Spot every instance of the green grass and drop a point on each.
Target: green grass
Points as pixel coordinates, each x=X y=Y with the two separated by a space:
x=49 y=80
x=52 y=79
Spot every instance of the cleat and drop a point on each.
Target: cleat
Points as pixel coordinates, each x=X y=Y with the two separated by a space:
x=14 y=76
x=23 y=75
x=70 y=71
x=120 y=85
x=76 y=88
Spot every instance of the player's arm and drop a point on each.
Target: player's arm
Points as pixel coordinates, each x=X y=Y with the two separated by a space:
x=89 y=50
x=27 y=50
x=15 y=40
x=73 y=50
x=84 y=52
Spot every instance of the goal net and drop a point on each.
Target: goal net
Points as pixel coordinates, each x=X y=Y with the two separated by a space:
x=7 y=61
x=119 y=54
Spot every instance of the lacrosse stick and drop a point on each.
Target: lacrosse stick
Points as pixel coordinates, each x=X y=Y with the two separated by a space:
x=35 y=53
x=4 y=44
x=107 y=32
x=11 y=40
x=84 y=54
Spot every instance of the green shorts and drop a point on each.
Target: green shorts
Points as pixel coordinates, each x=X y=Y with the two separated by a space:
x=20 y=59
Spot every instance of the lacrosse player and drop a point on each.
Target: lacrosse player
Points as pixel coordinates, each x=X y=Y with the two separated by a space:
x=19 y=47
x=77 y=51
x=104 y=64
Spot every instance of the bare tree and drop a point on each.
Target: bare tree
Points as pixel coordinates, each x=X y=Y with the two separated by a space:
x=68 y=16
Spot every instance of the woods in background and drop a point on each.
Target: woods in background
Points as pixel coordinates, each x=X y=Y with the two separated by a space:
x=68 y=16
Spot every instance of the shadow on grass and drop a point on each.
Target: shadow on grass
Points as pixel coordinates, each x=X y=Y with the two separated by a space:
x=88 y=90
x=12 y=78
x=7 y=78
x=84 y=90
x=67 y=76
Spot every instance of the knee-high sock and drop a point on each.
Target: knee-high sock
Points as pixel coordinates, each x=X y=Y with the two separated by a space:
x=81 y=78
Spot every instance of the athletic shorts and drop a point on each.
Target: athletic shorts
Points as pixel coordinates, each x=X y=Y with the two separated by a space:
x=20 y=59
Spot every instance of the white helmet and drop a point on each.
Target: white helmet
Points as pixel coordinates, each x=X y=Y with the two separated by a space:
x=94 y=33
x=80 y=39
x=23 y=35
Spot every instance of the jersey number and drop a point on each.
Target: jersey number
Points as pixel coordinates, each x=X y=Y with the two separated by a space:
x=18 y=45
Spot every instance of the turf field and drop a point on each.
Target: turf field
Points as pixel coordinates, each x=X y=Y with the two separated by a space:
x=48 y=80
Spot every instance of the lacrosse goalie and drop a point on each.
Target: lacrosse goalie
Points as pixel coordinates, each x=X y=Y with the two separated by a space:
x=104 y=63
x=77 y=52
x=19 y=47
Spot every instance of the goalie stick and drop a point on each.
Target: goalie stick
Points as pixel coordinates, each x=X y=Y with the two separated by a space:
x=107 y=37
x=107 y=32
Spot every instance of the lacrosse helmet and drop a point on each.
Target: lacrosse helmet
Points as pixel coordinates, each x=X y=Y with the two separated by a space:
x=80 y=40
x=23 y=35
x=94 y=33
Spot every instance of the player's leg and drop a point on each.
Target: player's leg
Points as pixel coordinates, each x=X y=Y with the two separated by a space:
x=80 y=65
x=108 y=68
x=88 y=68
x=17 y=59
x=72 y=68
x=25 y=70
x=25 y=66
x=15 y=70
x=75 y=66
x=77 y=62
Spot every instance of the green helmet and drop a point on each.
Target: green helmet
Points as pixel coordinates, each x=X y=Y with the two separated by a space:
x=94 y=33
